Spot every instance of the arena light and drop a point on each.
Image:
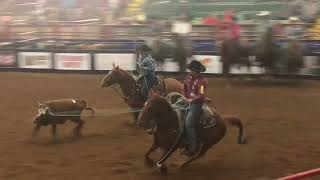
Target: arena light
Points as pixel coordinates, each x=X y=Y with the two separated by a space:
x=162 y=2
x=88 y=20
x=263 y=13
x=27 y=4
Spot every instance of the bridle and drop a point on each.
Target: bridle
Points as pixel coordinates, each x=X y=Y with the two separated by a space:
x=114 y=85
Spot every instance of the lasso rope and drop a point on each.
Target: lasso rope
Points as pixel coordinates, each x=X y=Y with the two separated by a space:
x=112 y=112
x=114 y=87
x=98 y=113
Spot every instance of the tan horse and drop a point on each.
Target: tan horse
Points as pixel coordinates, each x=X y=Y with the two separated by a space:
x=167 y=136
x=130 y=88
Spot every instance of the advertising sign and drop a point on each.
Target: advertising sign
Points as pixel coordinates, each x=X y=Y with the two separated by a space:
x=36 y=60
x=181 y=27
x=72 y=61
x=124 y=61
x=7 y=59
x=212 y=63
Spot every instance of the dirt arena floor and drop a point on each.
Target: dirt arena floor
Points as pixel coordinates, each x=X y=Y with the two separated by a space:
x=281 y=123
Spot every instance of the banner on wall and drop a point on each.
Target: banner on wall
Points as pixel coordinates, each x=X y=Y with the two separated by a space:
x=36 y=60
x=124 y=61
x=212 y=63
x=7 y=60
x=181 y=27
x=214 y=66
x=72 y=61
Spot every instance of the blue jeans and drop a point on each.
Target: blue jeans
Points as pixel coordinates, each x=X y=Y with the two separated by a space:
x=147 y=83
x=192 y=121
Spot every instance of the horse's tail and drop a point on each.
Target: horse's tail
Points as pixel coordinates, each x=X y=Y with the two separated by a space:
x=90 y=109
x=233 y=121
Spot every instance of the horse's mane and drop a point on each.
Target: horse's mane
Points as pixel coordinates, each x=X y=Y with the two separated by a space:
x=165 y=104
x=126 y=74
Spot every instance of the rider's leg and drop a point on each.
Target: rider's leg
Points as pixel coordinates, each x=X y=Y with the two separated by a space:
x=147 y=84
x=192 y=118
x=144 y=90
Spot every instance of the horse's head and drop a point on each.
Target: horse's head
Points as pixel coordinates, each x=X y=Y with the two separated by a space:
x=113 y=77
x=155 y=108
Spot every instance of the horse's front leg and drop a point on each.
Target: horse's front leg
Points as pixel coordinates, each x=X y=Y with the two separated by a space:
x=162 y=167
x=135 y=118
x=147 y=159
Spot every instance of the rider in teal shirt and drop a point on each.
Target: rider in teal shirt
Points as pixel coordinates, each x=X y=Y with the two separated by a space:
x=147 y=67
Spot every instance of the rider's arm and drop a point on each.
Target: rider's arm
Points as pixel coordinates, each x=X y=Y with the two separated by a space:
x=202 y=86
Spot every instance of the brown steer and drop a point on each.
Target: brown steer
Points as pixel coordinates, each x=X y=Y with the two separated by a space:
x=58 y=112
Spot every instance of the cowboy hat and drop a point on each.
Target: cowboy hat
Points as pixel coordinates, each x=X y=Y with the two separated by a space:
x=196 y=66
x=144 y=48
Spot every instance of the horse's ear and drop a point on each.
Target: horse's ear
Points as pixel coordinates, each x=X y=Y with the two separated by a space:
x=113 y=65
x=117 y=67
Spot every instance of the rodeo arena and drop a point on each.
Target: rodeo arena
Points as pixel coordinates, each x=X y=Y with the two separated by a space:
x=155 y=89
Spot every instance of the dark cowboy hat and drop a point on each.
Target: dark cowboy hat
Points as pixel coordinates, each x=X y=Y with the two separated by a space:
x=144 y=48
x=196 y=66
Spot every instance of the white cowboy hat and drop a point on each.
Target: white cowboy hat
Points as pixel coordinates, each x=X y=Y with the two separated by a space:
x=264 y=13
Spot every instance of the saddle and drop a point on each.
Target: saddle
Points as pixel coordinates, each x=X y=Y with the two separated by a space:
x=208 y=117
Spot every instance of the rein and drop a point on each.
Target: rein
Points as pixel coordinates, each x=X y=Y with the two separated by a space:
x=100 y=112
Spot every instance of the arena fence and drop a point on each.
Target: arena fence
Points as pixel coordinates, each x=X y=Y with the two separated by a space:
x=97 y=61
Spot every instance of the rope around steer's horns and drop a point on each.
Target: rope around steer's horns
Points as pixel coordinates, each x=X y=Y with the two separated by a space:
x=112 y=112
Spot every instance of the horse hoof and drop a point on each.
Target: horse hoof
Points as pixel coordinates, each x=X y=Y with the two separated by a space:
x=163 y=170
x=149 y=162
x=242 y=141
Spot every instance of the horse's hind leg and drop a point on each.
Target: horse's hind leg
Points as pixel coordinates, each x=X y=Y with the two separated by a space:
x=135 y=116
x=202 y=151
x=77 y=129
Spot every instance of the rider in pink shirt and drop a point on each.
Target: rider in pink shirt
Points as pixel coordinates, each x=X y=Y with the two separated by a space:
x=232 y=28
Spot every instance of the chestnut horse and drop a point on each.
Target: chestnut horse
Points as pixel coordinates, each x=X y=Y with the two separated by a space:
x=167 y=138
x=130 y=88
